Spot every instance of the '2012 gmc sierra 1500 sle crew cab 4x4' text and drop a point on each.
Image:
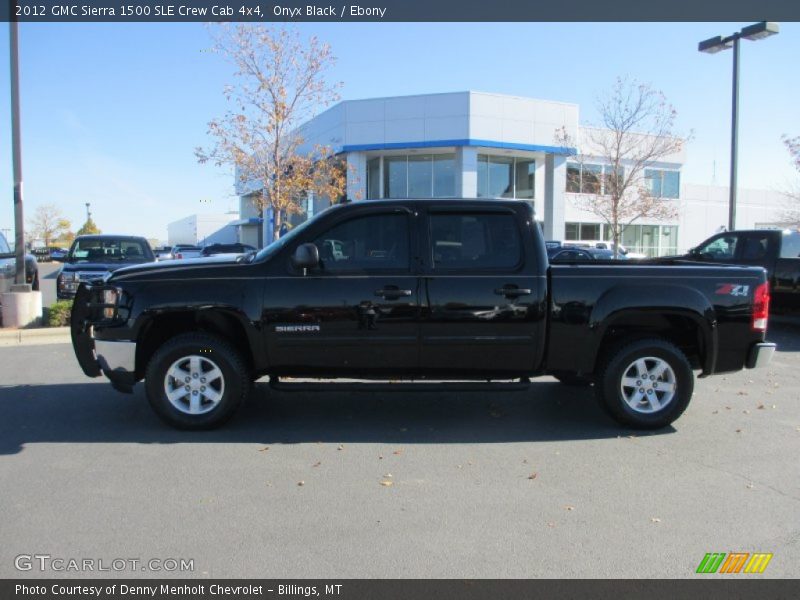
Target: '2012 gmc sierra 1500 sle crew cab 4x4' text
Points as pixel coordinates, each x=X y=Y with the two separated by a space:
x=434 y=289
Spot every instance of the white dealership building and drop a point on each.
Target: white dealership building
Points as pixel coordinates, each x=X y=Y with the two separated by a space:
x=484 y=145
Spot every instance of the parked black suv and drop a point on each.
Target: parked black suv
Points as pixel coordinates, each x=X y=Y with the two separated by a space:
x=97 y=256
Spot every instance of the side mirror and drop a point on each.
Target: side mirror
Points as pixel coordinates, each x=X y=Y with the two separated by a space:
x=306 y=256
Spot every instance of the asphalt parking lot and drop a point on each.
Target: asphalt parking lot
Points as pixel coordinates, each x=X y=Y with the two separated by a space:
x=344 y=484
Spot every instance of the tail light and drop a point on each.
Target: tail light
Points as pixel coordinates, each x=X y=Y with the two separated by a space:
x=761 y=307
x=179 y=255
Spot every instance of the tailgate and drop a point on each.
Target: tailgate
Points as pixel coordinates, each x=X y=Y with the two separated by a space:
x=82 y=342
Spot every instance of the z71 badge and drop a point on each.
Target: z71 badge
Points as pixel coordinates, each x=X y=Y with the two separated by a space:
x=296 y=328
x=732 y=289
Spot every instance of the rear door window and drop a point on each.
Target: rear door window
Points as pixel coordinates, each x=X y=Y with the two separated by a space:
x=475 y=241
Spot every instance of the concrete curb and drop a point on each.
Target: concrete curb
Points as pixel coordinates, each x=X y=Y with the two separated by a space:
x=31 y=337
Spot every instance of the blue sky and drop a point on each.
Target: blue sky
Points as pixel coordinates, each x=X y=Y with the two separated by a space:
x=112 y=112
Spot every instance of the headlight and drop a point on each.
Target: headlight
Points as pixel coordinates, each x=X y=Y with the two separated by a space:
x=110 y=298
x=68 y=280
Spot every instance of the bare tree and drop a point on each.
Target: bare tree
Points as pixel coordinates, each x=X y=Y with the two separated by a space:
x=48 y=223
x=280 y=83
x=636 y=129
x=791 y=213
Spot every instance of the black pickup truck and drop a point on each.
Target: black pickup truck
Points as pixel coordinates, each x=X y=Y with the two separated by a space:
x=778 y=251
x=437 y=289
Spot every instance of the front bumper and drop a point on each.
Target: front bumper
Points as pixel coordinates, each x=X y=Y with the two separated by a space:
x=116 y=359
x=760 y=355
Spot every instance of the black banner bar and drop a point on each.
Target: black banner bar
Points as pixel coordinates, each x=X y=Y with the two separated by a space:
x=706 y=587
x=33 y=11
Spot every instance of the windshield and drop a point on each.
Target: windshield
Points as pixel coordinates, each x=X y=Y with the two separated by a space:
x=108 y=250
x=275 y=246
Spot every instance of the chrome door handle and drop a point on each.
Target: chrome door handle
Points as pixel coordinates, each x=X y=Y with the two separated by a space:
x=392 y=293
x=512 y=292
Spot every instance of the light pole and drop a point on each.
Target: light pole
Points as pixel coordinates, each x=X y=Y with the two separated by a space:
x=716 y=44
x=16 y=154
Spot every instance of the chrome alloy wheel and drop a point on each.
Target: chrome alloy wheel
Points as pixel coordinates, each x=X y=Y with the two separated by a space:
x=194 y=385
x=648 y=384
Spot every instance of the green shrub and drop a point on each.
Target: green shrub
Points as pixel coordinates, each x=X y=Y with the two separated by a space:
x=58 y=313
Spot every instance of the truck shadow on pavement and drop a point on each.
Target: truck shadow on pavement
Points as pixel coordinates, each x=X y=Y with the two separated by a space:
x=785 y=331
x=94 y=413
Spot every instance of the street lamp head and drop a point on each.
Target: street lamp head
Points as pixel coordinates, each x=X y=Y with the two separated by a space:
x=759 y=31
x=714 y=45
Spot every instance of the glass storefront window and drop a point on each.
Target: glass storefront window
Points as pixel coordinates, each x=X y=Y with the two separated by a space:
x=525 y=174
x=373 y=178
x=590 y=231
x=505 y=177
x=444 y=175
x=420 y=176
x=663 y=184
x=395 y=177
x=571 y=231
x=590 y=179
x=573 y=178
x=501 y=182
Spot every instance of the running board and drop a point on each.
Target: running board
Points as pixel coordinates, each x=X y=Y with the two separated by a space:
x=400 y=386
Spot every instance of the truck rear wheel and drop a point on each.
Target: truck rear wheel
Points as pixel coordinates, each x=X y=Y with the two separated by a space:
x=196 y=381
x=646 y=384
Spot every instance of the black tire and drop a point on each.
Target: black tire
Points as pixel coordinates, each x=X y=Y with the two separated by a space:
x=231 y=387
x=620 y=363
x=573 y=380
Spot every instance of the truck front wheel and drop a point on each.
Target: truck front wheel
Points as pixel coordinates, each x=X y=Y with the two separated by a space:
x=196 y=381
x=646 y=384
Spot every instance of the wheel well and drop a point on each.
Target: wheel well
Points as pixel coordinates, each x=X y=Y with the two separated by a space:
x=166 y=326
x=681 y=330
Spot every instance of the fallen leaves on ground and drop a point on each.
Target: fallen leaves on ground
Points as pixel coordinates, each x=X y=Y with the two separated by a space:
x=301 y=483
x=387 y=483
x=316 y=464
x=341 y=447
x=263 y=449
x=569 y=507
x=655 y=520
x=398 y=452
x=533 y=476
x=750 y=486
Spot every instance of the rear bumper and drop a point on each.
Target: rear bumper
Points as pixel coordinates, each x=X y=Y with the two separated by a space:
x=760 y=355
